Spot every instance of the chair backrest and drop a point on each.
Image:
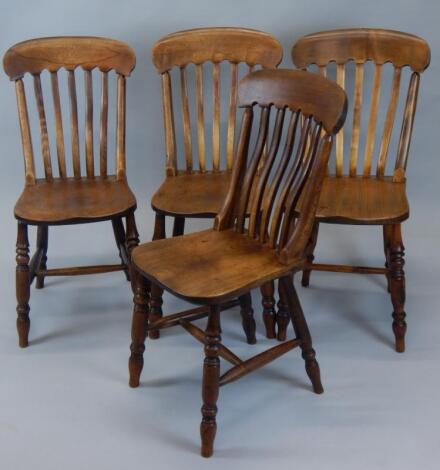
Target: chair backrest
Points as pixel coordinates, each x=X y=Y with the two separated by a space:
x=52 y=54
x=262 y=202
x=379 y=47
x=205 y=49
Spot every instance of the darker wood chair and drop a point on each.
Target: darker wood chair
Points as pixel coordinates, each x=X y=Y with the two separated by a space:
x=57 y=198
x=254 y=239
x=351 y=194
x=196 y=186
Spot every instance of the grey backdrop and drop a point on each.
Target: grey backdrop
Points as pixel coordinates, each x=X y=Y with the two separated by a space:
x=64 y=402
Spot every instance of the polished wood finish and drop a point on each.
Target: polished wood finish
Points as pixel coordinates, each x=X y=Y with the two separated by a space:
x=365 y=195
x=57 y=197
x=218 y=265
x=202 y=57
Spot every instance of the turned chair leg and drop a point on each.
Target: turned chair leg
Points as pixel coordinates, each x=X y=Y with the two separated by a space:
x=121 y=244
x=42 y=244
x=23 y=284
x=156 y=291
x=283 y=315
x=397 y=284
x=140 y=287
x=268 y=301
x=247 y=316
x=386 y=249
x=309 y=253
x=210 y=385
x=302 y=332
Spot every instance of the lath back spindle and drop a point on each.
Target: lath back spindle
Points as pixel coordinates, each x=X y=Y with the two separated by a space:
x=201 y=59
x=379 y=47
x=77 y=56
x=309 y=110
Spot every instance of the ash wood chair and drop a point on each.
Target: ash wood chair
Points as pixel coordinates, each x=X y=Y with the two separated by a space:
x=362 y=187
x=198 y=174
x=56 y=198
x=241 y=253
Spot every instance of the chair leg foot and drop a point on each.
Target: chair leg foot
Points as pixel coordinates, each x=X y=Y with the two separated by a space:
x=23 y=285
x=247 y=316
x=138 y=327
x=210 y=386
x=269 y=316
x=302 y=332
x=397 y=285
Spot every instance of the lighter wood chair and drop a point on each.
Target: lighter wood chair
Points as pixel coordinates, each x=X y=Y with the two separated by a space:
x=196 y=186
x=57 y=198
x=240 y=253
x=351 y=193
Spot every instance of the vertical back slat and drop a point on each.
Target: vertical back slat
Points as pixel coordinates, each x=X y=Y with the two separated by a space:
x=200 y=118
x=408 y=122
x=103 y=127
x=74 y=125
x=371 y=131
x=265 y=171
x=61 y=157
x=357 y=107
x=168 y=116
x=26 y=138
x=45 y=150
x=340 y=80
x=186 y=120
x=389 y=121
x=89 y=123
x=120 y=127
x=216 y=117
x=232 y=116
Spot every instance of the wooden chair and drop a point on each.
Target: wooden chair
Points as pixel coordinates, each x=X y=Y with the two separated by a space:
x=240 y=253
x=57 y=198
x=196 y=186
x=351 y=193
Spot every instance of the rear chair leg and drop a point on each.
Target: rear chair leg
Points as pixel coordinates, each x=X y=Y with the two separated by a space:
x=140 y=287
x=42 y=244
x=247 y=316
x=268 y=301
x=309 y=252
x=397 y=285
x=156 y=291
x=210 y=384
x=283 y=315
x=22 y=281
x=386 y=249
x=119 y=232
x=302 y=332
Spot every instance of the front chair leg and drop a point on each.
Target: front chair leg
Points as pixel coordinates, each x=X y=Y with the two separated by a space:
x=247 y=316
x=397 y=285
x=302 y=332
x=23 y=284
x=139 y=326
x=210 y=385
x=268 y=301
x=309 y=253
x=283 y=315
x=156 y=291
x=42 y=244
x=121 y=244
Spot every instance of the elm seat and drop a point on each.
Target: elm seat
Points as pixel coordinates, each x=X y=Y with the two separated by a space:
x=192 y=195
x=71 y=199
x=362 y=200
x=204 y=267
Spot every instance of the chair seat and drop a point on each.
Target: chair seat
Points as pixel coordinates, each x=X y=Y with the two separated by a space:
x=210 y=266
x=192 y=195
x=74 y=200
x=362 y=200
